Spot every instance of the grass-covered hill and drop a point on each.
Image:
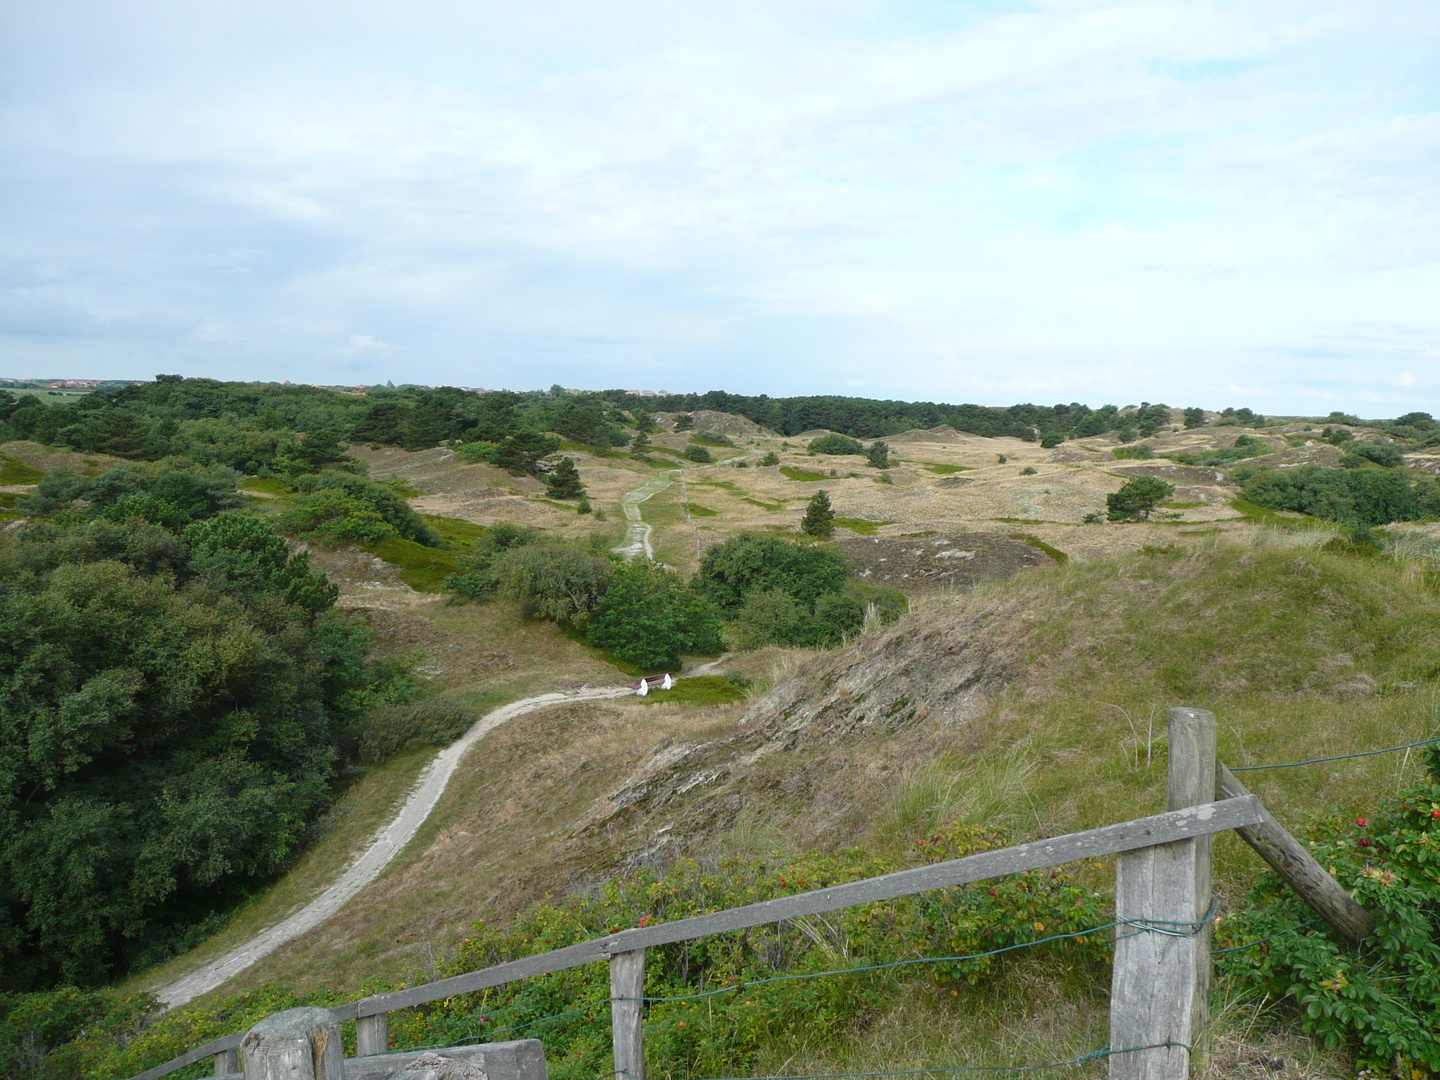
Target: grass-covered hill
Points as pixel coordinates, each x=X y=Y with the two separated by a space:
x=1025 y=708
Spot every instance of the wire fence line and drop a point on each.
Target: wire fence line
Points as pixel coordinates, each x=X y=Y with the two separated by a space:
x=1335 y=757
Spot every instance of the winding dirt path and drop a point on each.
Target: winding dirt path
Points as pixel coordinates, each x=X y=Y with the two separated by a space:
x=637 y=533
x=386 y=844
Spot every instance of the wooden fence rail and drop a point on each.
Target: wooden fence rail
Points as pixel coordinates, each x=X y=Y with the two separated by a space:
x=1160 y=979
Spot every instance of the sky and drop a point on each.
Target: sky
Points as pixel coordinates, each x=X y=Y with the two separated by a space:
x=1192 y=201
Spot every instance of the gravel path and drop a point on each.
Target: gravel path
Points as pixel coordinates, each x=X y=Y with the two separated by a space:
x=637 y=533
x=388 y=843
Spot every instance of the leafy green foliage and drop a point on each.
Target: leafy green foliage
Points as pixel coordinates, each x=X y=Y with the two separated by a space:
x=1051 y=439
x=819 y=519
x=172 y=497
x=697 y=453
x=1194 y=418
x=173 y=708
x=1387 y=457
x=1137 y=498
x=477 y=578
x=640 y=443
x=1138 y=452
x=563 y=480
x=878 y=456
x=1351 y=496
x=339 y=506
x=1383 y=1000
x=835 y=444
x=436 y=720
x=552 y=581
x=770 y=458
x=649 y=617
x=751 y=563
x=684 y=422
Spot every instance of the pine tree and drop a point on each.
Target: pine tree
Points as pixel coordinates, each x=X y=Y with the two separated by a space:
x=563 y=480
x=878 y=456
x=818 y=516
x=639 y=444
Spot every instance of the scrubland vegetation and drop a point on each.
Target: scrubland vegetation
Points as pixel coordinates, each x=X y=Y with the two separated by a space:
x=208 y=703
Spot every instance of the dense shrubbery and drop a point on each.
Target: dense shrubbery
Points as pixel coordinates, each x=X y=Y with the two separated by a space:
x=168 y=496
x=339 y=506
x=1353 y=496
x=173 y=710
x=1244 y=446
x=835 y=444
x=649 y=617
x=1383 y=1000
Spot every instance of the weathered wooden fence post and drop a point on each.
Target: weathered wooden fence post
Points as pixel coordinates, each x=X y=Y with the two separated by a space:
x=1161 y=982
x=627 y=1028
x=227 y=1063
x=372 y=1035
x=297 y=1044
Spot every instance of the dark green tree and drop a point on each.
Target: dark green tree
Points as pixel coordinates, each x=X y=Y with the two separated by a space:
x=563 y=480
x=684 y=422
x=1137 y=498
x=523 y=450
x=878 y=456
x=640 y=444
x=1051 y=439
x=1194 y=418
x=649 y=617
x=697 y=453
x=819 y=517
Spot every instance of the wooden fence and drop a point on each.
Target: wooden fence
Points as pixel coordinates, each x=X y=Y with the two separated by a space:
x=1161 y=977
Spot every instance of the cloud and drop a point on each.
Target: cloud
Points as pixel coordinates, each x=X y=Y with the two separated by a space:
x=1080 y=198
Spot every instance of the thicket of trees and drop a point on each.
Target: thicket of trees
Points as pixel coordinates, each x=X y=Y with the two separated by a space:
x=177 y=695
x=1358 y=496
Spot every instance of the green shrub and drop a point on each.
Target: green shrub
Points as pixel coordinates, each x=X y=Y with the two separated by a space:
x=1051 y=439
x=1137 y=498
x=562 y=481
x=770 y=458
x=649 y=617
x=819 y=519
x=752 y=562
x=552 y=581
x=1381 y=1001
x=835 y=444
x=1350 y=496
x=1028 y=470
x=476 y=578
x=695 y=452
x=389 y=729
x=1139 y=452
x=339 y=506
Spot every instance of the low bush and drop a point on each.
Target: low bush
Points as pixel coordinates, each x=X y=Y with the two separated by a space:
x=1382 y=1000
x=697 y=453
x=649 y=617
x=1138 y=452
x=476 y=578
x=552 y=581
x=836 y=445
x=337 y=506
x=1350 y=496
x=387 y=730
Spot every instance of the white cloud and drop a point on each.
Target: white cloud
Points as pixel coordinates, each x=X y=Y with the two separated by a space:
x=1137 y=198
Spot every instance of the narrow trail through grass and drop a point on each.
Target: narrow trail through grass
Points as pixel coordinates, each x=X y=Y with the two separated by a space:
x=366 y=867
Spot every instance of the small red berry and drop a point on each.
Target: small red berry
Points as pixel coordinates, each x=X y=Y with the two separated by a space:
x=1435 y=813
x=1360 y=821
x=1365 y=842
x=994 y=893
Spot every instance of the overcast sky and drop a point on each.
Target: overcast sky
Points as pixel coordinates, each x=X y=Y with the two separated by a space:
x=1197 y=202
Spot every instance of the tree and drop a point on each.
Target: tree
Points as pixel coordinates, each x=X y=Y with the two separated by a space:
x=639 y=444
x=819 y=517
x=753 y=562
x=1051 y=439
x=522 y=451
x=684 y=422
x=649 y=617
x=878 y=456
x=698 y=454
x=553 y=582
x=1194 y=418
x=563 y=480
x=1137 y=498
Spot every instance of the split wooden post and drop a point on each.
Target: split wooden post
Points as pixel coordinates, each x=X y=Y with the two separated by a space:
x=227 y=1063
x=627 y=1029
x=1299 y=869
x=1161 y=981
x=297 y=1044
x=372 y=1035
